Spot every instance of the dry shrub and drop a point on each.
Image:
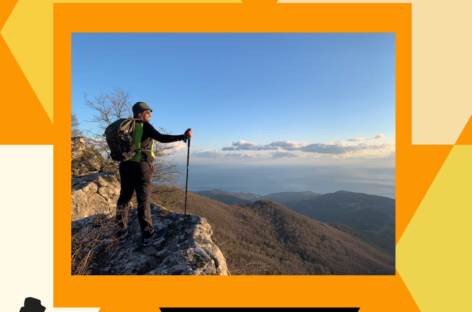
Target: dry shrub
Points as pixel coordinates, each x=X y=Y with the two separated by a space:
x=92 y=238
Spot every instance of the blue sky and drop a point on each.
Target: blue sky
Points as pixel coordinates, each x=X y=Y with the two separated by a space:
x=324 y=99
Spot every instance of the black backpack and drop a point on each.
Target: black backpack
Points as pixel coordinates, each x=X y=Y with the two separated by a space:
x=119 y=137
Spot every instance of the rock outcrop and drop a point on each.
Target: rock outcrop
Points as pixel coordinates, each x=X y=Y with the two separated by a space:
x=187 y=248
x=94 y=194
x=84 y=161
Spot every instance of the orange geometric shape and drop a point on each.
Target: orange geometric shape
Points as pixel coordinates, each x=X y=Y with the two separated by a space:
x=6 y=7
x=420 y=165
x=466 y=135
x=25 y=113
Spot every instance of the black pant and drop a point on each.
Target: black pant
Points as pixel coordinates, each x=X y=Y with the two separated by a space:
x=135 y=176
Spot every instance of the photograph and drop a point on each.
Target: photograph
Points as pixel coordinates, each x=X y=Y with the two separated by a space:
x=233 y=153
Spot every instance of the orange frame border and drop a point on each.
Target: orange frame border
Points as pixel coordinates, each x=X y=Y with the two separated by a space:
x=134 y=293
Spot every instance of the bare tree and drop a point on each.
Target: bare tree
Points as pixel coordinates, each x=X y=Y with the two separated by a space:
x=165 y=171
x=75 y=126
x=110 y=107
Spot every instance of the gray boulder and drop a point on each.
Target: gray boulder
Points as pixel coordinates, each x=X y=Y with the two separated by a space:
x=187 y=248
x=94 y=194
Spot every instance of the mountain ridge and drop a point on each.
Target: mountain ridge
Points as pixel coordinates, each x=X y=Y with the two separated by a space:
x=231 y=198
x=265 y=237
x=373 y=215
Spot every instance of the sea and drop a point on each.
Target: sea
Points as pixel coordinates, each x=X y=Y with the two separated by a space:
x=263 y=180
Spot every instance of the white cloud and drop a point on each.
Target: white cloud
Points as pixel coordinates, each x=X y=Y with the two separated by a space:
x=358 y=139
x=242 y=145
x=177 y=146
x=340 y=149
x=377 y=137
x=288 y=145
x=170 y=148
x=218 y=154
x=258 y=137
x=347 y=149
x=208 y=154
x=244 y=156
x=332 y=148
x=278 y=155
x=383 y=147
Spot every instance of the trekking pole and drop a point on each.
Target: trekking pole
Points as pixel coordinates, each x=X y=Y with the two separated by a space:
x=186 y=183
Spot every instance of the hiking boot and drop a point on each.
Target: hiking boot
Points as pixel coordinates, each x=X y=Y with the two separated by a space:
x=157 y=235
x=122 y=236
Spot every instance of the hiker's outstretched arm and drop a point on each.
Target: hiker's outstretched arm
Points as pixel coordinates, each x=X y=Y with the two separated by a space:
x=149 y=130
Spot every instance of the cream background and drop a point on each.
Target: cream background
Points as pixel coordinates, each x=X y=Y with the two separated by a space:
x=26 y=190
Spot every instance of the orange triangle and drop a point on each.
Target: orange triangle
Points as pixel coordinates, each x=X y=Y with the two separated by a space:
x=6 y=7
x=420 y=164
x=466 y=135
x=20 y=104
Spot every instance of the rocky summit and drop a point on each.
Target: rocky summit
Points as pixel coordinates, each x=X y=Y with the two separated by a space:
x=187 y=248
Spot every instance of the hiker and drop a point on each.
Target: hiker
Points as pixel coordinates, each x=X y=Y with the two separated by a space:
x=136 y=175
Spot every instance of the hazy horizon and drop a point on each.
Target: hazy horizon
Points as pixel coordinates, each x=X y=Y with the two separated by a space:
x=263 y=180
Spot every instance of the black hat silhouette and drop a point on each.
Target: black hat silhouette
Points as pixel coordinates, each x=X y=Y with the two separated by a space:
x=32 y=305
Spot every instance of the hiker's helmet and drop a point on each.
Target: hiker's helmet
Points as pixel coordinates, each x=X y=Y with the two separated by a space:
x=140 y=107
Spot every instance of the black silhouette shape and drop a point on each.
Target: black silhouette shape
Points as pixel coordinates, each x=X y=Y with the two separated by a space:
x=32 y=305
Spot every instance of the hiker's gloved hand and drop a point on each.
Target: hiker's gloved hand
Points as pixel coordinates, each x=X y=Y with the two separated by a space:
x=188 y=134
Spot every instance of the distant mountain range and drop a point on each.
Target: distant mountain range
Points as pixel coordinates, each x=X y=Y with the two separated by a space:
x=267 y=238
x=361 y=211
x=371 y=214
x=287 y=199
x=230 y=198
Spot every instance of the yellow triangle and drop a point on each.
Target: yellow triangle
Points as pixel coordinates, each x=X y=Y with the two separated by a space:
x=433 y=255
